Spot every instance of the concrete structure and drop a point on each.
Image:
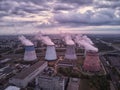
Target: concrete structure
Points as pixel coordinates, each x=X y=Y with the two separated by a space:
x=66 y=63
x=70 y=52
x=47 y=81
x=50 y=53
x=73 y=84
x=70 y=57
x=12 y=88
x=92 y=62
x=27 y=75
x=30 y=54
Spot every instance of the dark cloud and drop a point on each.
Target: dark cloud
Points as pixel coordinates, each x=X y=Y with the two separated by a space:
x=45 y=25
x=80 y=2
x=62 y=6
x=107 y=3
x=14 y=23
x=3 y=13
x=106 y=12
x=100 y=17
x=21 y=6
x=34 y=1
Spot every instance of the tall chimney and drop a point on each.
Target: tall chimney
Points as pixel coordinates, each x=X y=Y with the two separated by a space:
x=70 y=52
x=91 y=62
x=30 y=54
x=50 y=53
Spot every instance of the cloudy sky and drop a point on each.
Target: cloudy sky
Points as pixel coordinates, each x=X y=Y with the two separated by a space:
x=54 y=16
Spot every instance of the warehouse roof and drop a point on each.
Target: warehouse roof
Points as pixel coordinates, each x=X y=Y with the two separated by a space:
x=29 y=70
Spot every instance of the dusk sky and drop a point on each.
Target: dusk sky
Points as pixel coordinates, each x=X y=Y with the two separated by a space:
x=54 y=16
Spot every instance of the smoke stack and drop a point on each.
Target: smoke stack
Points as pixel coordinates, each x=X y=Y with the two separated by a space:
x=70 y=52
x=70 y=49
x=92 y=62
x=50 y=53
x=30 y=54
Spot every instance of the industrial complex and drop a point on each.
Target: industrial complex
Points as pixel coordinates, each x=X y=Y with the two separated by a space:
x=52 y=63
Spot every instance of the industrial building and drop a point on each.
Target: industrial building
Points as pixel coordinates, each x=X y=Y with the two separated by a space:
x=27 y=75
x=73 y=84
x=92 y=62
x=48 y=81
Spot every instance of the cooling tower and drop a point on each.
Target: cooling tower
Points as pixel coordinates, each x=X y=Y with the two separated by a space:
x=50 y=53
x=70 y=52
x=92 y=62
x=30 y=54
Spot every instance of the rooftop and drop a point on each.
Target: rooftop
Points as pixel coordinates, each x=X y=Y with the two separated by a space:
x=66 y=62
x=49 y=74
x=29 y=70
x=73 y=84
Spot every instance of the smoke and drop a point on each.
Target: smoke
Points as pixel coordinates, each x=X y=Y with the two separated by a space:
x=87 y=39
x=25 y=41
x=45 y=39
x=38 y=36
x=88 y=46
x=67 y=39
x=84 y=41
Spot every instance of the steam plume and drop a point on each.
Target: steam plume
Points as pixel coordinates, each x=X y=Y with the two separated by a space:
x=87 y=39
x=85 y=42
x=45 y=39
x=25 y=41
x=67 y=39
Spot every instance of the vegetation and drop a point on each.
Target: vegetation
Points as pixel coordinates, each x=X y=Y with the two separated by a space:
x=3 y=50
x=68 y=72
x=103 y=47
x=19 y=51
x=60 y=50
x=100 y=82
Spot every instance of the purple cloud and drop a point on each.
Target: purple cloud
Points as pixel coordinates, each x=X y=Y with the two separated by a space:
x=55 y=13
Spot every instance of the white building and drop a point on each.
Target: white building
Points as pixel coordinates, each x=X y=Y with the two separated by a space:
x=73 y=84
x=27 y=75
x=47 y=81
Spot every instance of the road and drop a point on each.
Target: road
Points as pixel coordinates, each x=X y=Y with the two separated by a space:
x=114 y=76
x=109 y=44
x=106 y=52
